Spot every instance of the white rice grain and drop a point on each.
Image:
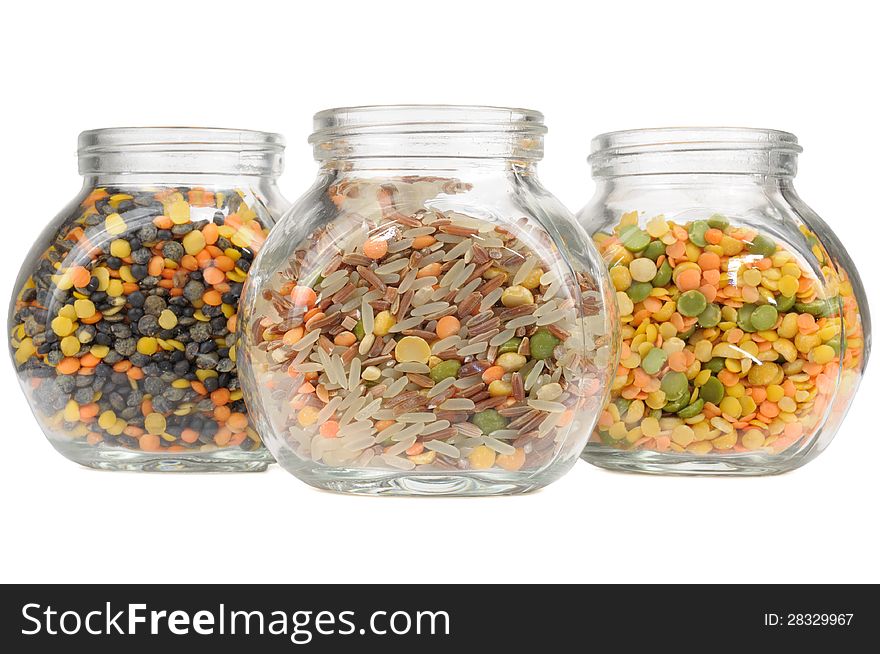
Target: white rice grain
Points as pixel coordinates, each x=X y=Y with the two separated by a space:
x=499 y=446
x=458 y=404
x=397 y=462
x=367 y=316
x=441 y=386
x=524 y=270
x=490 y=300
x=544 y=405
x=443 y=448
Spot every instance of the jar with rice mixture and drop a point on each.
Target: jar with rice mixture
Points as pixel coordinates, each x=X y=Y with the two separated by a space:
x=427 y=319
x=745 y=325
x=123 y=320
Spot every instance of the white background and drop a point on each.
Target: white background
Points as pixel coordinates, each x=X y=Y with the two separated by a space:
x=805 y=67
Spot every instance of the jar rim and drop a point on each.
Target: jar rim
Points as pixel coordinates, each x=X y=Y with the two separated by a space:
x=178 y=150
x=177 y=137
x=425 y=119
x=689 y=139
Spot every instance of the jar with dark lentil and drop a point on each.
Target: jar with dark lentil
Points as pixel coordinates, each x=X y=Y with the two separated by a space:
x=745 y=325
x=123 y=320
x=427 y=319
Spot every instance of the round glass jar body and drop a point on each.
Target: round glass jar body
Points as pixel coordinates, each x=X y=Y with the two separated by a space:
x=427 y=319
x=744 y=322
x=122 y=322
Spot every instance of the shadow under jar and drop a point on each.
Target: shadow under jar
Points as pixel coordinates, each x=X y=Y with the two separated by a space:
x=427 y=319
x=123 y=318
x=745 y=325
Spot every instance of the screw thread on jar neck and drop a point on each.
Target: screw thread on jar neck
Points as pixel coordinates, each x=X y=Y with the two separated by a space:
x=150 y=153
x=423 y=135
x=695 y=151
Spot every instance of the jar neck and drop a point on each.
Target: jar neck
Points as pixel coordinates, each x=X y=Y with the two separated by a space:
x=428 y=138
x=715 y=155
x=174 y=154
x=180 y=179
x=428 y=167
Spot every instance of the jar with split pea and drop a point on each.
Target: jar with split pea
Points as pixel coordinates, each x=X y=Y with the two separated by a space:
x=122 y=324
x=745 y=327
x=427 y=319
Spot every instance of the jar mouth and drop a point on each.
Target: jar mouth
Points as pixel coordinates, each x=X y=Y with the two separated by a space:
x=694 y=150
x=412 y=130
x=192 y=150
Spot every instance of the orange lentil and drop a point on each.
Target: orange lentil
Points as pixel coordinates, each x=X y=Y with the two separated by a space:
x=431 y=270
x=709 y=261
x=735 y=335
x=189 y=435
x=224 y=263
x=713 y=236
x=222 y=437
x=728 y=378
x=68 y=365
x=306 y=388
x=311 y=313
x=383 y=424
x=93 y=438
x=89 y=360
x=675 y=250
x=198 y=387
x=420 y=242
x=237 y=439
x=712 y=277
x=189 y=262
x=709 y=292
x=448 y=326
x=80 y=276
x=212 y=298
x=222 y=413
x=652 y=304
x=415 y=449
x=493 y=373
x=806 y=322
x=375 y=248
x=237 y=421
x=90 y=410
x=688 y=280
x=211 y=233
x=149 y=442
x=155 y=266
x=214 y=276
x=329 y=429
x=163 y=222
x=769 y=409
x=303 y=296
x=220 y=396
x=345 y=339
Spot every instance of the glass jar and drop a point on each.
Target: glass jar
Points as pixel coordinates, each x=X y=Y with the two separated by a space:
x=122 y=321
x=427 y=319
x=745 y=325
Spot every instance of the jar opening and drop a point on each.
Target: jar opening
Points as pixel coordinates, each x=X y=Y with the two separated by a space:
x=684 y=150
x=428 y=131
x=190 y=150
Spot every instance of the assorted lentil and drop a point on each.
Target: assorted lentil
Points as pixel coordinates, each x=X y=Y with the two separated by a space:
x=124 y=330
x=730 y=342
x=402 y=337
